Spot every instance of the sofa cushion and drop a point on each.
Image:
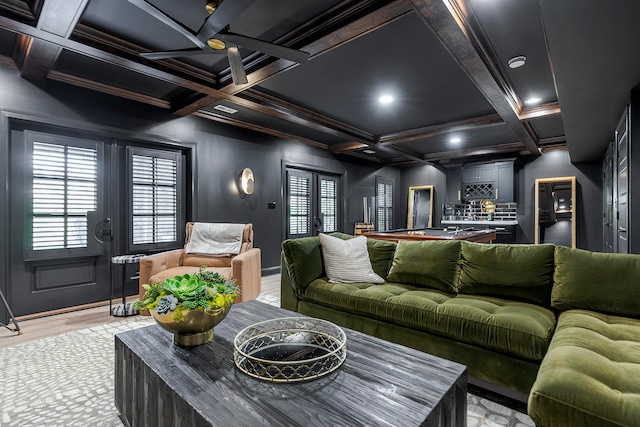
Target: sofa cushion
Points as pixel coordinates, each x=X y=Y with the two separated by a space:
x=519 y=272
x=304 y=261
x=347 y=261
x=380 y=253
x=428 y=263
x=514 y=328
x=589 y=376
x=607 y=283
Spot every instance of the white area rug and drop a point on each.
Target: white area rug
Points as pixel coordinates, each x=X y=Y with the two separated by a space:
x=67 y=380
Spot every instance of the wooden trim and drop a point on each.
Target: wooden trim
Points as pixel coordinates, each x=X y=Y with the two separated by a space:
x=105 y=88
x=228 y=120
x=455 y=25
x=346 y=147
x=316 y=120
x=480 y=151
x=100 y=39
x=545 y=110
x=443 y=128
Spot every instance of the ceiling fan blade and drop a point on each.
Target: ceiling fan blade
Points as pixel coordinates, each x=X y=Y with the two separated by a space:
x=178 y=53
x=265 y=47
x=160 y=16
x=238 y=75
x=222 y=16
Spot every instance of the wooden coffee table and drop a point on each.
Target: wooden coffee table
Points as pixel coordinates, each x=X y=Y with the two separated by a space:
x=380 y=383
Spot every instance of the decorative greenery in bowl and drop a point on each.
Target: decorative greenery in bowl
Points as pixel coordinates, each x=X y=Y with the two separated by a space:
x=204 y=291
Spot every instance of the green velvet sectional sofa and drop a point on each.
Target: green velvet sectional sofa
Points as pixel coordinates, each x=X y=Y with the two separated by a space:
x=561 y=325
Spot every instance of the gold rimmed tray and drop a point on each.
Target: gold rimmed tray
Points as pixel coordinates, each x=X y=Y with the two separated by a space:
x=290 y=349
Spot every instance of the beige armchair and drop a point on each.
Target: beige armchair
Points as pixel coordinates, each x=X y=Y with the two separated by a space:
x=244 y=268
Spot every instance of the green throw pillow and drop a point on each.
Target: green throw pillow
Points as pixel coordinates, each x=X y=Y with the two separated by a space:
x=429 y=263
x=304 y=261
x=606 y=283
x=519 y=272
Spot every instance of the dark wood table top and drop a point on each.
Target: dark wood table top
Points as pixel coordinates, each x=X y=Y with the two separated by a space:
x=380 y=383
x=478 y=236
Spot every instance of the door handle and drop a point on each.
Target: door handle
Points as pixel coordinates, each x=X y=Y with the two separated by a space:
x=317 y=222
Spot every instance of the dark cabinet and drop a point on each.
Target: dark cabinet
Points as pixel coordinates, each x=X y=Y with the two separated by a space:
x=494 y=181
x=504 y=182
x=478 y=173
x=453 y=185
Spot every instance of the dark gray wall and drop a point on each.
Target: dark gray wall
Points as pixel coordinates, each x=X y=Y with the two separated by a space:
x=557 y=163
x=222 y=152
x=423 y=175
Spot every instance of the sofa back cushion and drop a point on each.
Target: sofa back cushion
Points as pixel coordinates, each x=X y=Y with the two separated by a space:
x=304 y=261
x=606 y=283
x=519 y=272
x=429 y=263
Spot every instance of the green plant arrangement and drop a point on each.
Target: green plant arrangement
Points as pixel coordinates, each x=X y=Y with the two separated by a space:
x=203 y=291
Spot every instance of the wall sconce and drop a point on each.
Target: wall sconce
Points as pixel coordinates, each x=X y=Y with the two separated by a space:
x=246 y=181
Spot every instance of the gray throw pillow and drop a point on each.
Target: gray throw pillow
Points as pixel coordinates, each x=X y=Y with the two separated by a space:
x=347 y=261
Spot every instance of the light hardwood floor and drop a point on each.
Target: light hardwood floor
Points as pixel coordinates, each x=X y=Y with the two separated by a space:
x=46 y=326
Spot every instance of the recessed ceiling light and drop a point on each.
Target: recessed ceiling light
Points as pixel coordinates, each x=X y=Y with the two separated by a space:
x=386 y=99
x=369 y=151
x=517 y=61
x=532 y=101
x=454 y=140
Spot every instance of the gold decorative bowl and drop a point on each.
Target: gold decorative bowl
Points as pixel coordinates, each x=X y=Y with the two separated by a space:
x=195 y=328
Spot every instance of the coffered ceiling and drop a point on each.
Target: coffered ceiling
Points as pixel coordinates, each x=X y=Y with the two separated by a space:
x=444 y=63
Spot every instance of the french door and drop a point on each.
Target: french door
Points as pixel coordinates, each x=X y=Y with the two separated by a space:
x=59 y=220
x=313 y=202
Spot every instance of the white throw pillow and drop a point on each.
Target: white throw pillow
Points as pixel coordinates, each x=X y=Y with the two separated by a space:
x=347 y=261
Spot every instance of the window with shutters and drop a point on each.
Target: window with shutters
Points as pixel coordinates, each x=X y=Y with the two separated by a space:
x=299 y=191
x=329 y=193
x=155 y=200
x=64 y=190
x=384 y=204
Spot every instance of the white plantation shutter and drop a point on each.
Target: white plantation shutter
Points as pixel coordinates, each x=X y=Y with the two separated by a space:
x=154 y=198
x=299 y=205
x=64 y=184
x=384 y=211
x=329 y=204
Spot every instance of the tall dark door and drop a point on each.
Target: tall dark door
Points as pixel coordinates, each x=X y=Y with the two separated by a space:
x=59 y=219
x=622 y=195
x=313 y=203
x=608 y=190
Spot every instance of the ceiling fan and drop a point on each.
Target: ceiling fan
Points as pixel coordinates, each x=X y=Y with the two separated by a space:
x=214 y=37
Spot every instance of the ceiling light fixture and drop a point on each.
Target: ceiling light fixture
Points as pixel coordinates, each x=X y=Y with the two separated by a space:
x=532 y=101
x=386 y=99
x=454 y=140
x=517 y=61
x=369 y=151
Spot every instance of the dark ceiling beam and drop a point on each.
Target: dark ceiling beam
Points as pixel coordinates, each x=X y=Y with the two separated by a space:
x=105 y=88
x=454 y=24
x=101 y=40
x=345 y=147
x=35 y=57
x=539 y=111
x=106 y=57
x=443 y=128
x=231 y=121
x=316 y=120
x=472 y=152
x=358 y=28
